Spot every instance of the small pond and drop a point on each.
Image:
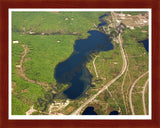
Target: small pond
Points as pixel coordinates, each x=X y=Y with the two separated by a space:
x=89 y=111
x=114 y=113
x=145 y=43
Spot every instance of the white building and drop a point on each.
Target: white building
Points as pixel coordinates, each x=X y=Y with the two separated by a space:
x=118 y=21
x=145 y=21
x=15 y=42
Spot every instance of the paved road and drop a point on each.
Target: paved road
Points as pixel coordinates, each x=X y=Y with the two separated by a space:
x=130 y=93
x=143 y=97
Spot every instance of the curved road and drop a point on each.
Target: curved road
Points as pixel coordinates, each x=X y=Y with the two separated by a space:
x=22 y=73
x=130 y=93
x=122 y=86
x=76 y=112
x=143 y=97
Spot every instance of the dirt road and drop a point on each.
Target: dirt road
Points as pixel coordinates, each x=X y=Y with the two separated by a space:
x=143 y=97
x=123 y=82
x=130 y=93
x=22 y=73
x=95 y=66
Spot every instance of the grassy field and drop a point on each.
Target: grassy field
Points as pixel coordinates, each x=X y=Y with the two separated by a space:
x=49 y=37
x=44 y=54
x=54 y=22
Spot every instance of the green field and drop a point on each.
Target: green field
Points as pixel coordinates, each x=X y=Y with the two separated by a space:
x=54 y=22
x=49 y=38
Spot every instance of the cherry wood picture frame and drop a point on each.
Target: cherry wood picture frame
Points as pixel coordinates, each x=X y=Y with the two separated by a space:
x=4 y=103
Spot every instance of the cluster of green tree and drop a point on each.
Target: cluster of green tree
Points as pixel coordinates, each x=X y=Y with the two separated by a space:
x=43 y=102
x=25 y=94
x=18 y=106
x=113 y=33
x=61 y=87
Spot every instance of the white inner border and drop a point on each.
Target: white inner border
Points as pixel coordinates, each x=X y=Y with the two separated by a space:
x=86 y=117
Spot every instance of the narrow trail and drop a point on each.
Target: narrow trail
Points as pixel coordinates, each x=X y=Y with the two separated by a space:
x=123 y=86
x=127 y=93
x=130 y=93
x=22 y=73
x=95 y=67
x=143 y=97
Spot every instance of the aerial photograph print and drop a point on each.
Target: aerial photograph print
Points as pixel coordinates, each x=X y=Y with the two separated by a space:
x=80 y=63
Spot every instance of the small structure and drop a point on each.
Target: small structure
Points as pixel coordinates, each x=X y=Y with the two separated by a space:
x=145 y=21
x=118 y=21
x=131 y=27
x=18 y=66
x=31 y=33
x=58 y=41
x=15 y=42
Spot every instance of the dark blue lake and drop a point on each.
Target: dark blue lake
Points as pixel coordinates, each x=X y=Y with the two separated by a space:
x=145 y=43
x=89 y=111
x=73 y=71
